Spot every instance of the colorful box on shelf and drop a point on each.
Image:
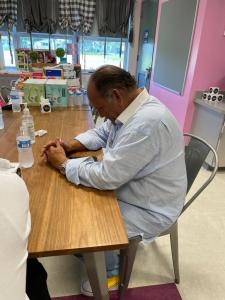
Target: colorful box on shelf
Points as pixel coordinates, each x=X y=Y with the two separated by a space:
x=56 y=92
x=33 y=90
x=37 y=74
x=74 y=82
x=49 y=72
x=23 y=60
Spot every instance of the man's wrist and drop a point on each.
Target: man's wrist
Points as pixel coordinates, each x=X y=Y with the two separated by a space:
x=62 y=167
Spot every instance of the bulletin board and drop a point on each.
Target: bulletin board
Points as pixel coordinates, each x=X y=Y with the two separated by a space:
x=177 y=22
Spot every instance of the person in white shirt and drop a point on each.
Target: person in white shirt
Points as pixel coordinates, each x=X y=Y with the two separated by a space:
x=15 y=225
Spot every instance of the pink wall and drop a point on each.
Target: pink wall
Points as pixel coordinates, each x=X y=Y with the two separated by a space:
x=206 y=65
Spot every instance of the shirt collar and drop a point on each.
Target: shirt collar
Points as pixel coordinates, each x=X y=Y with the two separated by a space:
x=132 y=107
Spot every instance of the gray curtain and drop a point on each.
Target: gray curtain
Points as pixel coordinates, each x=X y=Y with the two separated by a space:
x=113 y=17
x=40 y=15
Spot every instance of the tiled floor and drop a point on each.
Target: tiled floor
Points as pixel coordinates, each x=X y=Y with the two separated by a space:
x=201 y=245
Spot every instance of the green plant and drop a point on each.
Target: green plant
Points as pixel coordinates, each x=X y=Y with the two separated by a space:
x=33 y=56
x=60 y=52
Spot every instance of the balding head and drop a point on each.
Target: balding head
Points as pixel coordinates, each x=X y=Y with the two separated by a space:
x=110 y=77
x=111 y=90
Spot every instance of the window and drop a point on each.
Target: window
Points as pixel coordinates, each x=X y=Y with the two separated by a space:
x=6 y=51
x=97 y=51
x=92 y=51
x=41 y=41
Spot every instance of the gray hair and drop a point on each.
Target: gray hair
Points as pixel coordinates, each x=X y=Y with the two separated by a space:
x=110 y=77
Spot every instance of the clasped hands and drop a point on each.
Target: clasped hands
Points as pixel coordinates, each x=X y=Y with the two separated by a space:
x=55 y=152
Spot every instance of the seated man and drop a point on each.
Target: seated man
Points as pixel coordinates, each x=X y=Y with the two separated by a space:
x=14 y=230
x=143 y=155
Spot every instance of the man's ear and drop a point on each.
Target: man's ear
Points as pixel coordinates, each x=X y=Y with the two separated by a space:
x=117 y=96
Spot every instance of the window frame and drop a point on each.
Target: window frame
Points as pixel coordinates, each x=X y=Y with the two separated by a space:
x=75 y=38
x=12 y=34
x=108 y=39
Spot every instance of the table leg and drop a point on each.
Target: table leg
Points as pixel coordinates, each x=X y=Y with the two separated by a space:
x=96 y=270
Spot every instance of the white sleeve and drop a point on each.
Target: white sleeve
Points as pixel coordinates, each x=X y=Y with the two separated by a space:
x=96 y=138
x=118 y=166
x=14 y=231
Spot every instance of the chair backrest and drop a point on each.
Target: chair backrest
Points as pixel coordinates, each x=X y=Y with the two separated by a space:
x=196 y=152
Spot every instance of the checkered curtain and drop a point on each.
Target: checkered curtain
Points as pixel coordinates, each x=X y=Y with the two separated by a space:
x=77 y=15
x=8 y=16
x=8 y=13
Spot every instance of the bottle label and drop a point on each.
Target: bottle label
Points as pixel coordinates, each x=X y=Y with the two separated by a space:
x=14 y=97
x=23 y=144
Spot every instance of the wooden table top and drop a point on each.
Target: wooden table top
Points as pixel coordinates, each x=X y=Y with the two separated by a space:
x=65 y=218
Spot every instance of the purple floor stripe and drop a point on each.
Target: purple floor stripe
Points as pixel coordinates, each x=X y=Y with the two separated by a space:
x=154 y=292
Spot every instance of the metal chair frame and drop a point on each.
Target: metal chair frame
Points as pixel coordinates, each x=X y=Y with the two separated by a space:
x=127 y=256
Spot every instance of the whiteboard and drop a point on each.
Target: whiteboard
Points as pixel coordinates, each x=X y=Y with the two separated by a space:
x=176 y=28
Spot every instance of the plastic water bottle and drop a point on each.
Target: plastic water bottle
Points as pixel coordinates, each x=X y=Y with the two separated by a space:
x=28 y=121
x=70 y=97
x=26 y=158
x=85 y=98
x=78 y=98
x=1 y=119
x=15 y=99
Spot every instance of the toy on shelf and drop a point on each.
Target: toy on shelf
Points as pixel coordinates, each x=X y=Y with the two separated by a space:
x=22 y=59
x=33 y=56
x=214 y=95
x=60 y=52
x=36 y=60
x=51 y=59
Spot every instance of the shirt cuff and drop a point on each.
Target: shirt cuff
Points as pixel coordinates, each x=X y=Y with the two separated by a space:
x=72 y=168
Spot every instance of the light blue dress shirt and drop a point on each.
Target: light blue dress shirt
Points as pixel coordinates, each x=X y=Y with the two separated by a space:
x=143 y=162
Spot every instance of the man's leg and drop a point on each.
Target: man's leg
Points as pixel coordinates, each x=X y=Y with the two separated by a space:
x=112 y=263
x=112 y=269
x=36 y=284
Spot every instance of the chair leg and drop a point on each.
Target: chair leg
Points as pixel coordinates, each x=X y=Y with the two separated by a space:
x=174 y=250
x=127 y=257
x=96 y=270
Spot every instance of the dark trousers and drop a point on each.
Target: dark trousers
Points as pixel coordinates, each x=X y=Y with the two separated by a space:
x=36 y=283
